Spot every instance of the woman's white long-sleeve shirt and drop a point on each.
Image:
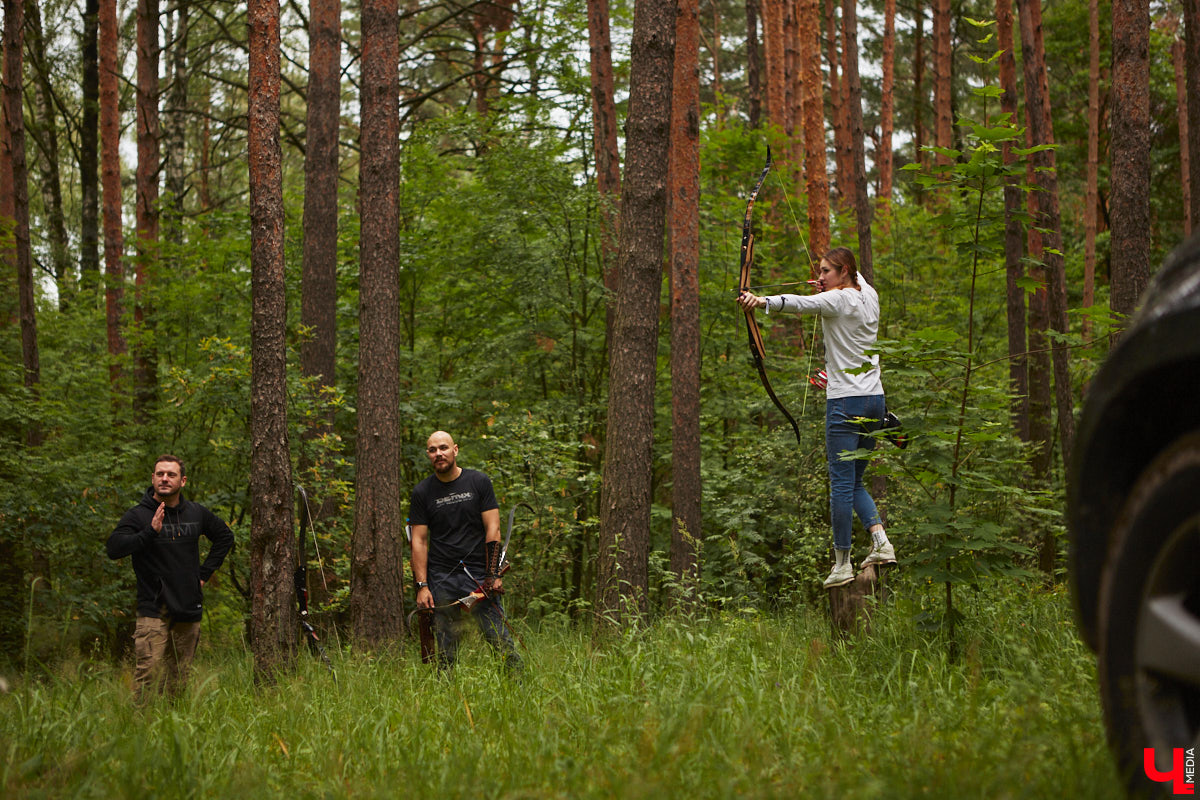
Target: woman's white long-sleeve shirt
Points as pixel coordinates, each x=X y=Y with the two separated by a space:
x=850 y=320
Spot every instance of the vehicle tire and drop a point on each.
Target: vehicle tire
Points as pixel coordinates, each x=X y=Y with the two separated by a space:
x=1149 y=655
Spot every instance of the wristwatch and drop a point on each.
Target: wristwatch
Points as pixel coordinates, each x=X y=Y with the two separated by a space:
x=422 y=585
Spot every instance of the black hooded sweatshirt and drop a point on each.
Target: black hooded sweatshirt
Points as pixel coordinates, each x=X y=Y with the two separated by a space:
x=167 y=563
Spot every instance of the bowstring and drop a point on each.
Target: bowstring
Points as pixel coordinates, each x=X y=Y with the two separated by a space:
x=812 y=270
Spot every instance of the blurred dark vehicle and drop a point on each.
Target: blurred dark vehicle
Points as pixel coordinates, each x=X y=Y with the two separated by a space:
x=1133 y=505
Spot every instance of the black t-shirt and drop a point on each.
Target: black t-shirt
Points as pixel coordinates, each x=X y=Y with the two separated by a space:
x=454 y=513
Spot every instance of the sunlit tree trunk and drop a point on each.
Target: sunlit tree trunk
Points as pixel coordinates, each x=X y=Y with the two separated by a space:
x=943 y=64
x=376 y=564
x=842 y=147
x=685 y=299
x=1129 y=201
x=887 y=86
x=863 y=211
x=773 y=52
x=816 y=178
x=623 y=568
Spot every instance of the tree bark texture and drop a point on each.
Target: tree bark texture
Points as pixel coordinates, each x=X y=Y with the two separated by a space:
x=753 y=65
x=1129 y=200
x=862 y=202
x=773 y=52
x=1014 y=250
x=18 y=185
x=1178 y=60
x=686 y=531
x=943 y=65
x=274 y=618
x=89 y=150
x=842 y=147
x=318 y=292
x=175 y=125
x=918 y=87
x=815 y=175
x=1041 y=130
x=1191 y=45
x=46 y=138
x=604 y=144
x=883 y=158
x=1092 y=192
x=626 y=481
x=110 y=176
x=146 y=205
x=376 y=568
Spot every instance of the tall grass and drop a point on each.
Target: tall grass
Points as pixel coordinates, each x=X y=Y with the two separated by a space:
x=736 y=706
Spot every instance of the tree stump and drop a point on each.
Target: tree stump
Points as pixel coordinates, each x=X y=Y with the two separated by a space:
x=850 y=606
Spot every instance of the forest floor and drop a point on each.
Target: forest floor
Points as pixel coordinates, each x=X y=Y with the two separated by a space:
x=739 y=704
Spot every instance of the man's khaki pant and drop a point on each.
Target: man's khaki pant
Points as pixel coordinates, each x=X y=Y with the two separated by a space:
x=163 y=651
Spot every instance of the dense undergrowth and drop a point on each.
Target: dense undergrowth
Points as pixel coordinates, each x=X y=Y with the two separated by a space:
x=738 y=705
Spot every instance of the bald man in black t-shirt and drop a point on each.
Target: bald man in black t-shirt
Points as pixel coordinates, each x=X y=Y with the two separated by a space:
x=456 y=548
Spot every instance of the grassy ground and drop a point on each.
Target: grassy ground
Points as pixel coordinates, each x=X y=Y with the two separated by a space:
x=738 y=706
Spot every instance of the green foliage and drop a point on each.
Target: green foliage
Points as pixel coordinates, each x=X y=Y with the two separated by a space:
x=739 y=705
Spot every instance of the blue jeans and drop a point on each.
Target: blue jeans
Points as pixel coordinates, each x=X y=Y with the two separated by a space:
x=846 y=430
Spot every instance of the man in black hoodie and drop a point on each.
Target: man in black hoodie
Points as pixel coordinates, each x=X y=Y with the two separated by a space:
x=162 y=533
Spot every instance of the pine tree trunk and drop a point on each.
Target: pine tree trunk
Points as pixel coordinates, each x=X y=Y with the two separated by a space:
x=89 y=150
x=943 y=65
x=753 y=65
x=918 y=95
x=1191 y=44
x=1041 y=129
x=146 y=206
x=686 y=530
x=318 y=294
x=863 y=210
x=1178 y=60
x=1129 y=200
x=46 y=137
x=773 y=50
x=110 y=175
x=376 y=567
x=1014 y=250
x=604 y=142
x=883 y=158
x=274 y=619
x=815 y=175
x=1092 y=193
x=175 y=125
x=623 y=566
x=17 y=183
x=843 y=185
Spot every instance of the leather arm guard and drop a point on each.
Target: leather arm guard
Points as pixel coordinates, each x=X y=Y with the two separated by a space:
x=491 y=557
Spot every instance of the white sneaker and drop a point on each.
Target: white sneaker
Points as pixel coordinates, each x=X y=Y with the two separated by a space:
x=880 y=555
x=841 y=575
